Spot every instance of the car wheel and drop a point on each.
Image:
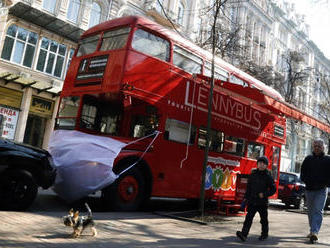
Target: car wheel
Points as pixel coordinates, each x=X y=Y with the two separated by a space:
x=17 y=190
x=127 y=193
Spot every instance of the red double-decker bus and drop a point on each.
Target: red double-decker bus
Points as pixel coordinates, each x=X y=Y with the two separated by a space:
x=130 y=77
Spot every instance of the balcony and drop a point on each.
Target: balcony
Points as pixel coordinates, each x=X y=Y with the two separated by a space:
x=45 y=20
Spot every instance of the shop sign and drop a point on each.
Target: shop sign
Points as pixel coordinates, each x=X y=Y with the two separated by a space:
x=8 y=123
x=41 y=106
x=10 y=97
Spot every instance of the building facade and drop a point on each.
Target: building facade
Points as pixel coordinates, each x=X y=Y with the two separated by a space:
x=38 y=38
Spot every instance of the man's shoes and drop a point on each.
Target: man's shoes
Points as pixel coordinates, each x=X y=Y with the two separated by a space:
x=263 y=237
x=241 y=236
x=313 y=238
x=309 y=235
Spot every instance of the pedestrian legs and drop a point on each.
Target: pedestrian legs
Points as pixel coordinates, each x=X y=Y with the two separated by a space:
x=251 y=211
x=263 y=212
x=315 y=203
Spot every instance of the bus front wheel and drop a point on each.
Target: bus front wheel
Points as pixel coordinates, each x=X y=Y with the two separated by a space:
x=127 y=193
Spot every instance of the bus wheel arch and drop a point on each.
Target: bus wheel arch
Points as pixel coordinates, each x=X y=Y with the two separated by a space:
x=131 y=190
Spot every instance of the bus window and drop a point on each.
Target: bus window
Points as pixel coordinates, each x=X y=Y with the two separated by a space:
x=151 y=44
x=115 y=39
x=216 y=140
x=235 y=80
x=144 y=125
x=186 y=60
x=255 y=150
x=234 y=146
x=99 y=115
x=179 y=131
x=88 y=45
x=218 y=72
x=68 y=112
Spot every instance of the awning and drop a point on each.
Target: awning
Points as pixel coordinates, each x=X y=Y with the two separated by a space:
x=40 y=86
x=291 y=111
x=275 y=105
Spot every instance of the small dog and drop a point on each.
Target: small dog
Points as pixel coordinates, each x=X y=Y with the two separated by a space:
x=80 y=223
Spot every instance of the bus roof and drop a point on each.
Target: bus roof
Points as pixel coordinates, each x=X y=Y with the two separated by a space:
x=143 y=21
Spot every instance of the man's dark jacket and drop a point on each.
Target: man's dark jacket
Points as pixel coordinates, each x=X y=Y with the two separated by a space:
x=259 y=182
x=315 y=171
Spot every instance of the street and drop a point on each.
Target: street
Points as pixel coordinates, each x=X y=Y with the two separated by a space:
x=42 y=226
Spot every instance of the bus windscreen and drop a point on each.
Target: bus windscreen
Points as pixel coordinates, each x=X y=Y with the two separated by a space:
x=88 y=45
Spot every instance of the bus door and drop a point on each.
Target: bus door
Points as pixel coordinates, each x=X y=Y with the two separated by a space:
x=177 y=158
x=275 y=165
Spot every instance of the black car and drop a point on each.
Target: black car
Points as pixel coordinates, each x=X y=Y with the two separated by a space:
x=291 y=190
x=23 y=169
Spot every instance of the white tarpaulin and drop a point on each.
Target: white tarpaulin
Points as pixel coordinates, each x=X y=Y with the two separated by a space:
x=83 y=161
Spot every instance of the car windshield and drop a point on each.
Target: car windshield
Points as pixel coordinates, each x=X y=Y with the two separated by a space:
x=290 y=178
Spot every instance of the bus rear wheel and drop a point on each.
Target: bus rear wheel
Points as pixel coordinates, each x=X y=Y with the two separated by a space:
x=127 y=193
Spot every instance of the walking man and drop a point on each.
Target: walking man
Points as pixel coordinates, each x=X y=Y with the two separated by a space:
x=315 y=174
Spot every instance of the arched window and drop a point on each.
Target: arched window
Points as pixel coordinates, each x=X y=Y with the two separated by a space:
x=73 y=10
x=95 y=15
x=49 y=5
x=180 y=13
x=19 y=46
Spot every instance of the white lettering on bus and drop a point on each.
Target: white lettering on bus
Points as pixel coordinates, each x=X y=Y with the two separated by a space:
x=220 y=160
x=225 y=107
x=201 y=96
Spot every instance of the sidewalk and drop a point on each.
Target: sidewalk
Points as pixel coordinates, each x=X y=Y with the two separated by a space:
x=147 y=230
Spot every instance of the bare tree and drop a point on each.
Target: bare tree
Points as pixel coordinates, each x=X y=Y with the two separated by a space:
x=265 y=73
x=227 y=31
x=322 y=107
x=295 y=74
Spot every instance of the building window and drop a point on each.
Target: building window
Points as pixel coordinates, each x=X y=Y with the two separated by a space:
x=73 y=10
x=19 y=46
x=51 y=57
x=180 y=13
x=71 y=52
x=95 y=15
x=49 y=5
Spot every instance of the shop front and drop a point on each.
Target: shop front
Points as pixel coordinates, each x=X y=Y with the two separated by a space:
x=40 y=113
x=10 y=102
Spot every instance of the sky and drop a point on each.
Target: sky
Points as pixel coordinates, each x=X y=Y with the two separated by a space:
x=318 y=17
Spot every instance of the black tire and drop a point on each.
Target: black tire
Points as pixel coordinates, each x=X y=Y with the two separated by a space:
x=17 y=190
x=127 y=193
